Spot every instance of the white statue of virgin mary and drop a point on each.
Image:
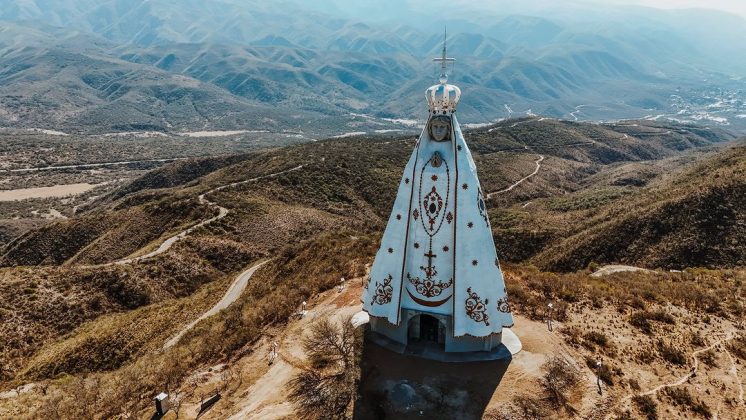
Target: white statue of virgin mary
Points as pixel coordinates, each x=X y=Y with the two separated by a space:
x=436 y=275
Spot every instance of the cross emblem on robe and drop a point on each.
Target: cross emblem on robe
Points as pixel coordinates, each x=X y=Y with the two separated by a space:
x=429 y=272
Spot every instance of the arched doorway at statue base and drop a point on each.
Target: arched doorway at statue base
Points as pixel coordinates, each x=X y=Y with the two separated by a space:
x=426 y=331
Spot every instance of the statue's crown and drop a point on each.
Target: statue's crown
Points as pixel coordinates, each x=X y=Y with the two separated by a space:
x=442 y=98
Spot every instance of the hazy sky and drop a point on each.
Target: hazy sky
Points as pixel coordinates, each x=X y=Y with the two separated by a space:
x=733 y=6
x=737 y=7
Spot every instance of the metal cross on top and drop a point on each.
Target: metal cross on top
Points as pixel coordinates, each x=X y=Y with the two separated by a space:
x=444 y=60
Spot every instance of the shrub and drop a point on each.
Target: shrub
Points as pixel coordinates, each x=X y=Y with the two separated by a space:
x=637 y=303
x=702 y=409
x=329 y=387
x=573 y=335
x=530 y=407
x=681 y=397
x=738 y=347
x=597 y=338
x=709 y=358
x=559 y=381
x=671 y=354
x=639 y=320
x=642 y=320
x=645 y=355
x=647 y=406
x=634 y=385
x=662 y=316
x=698 y=340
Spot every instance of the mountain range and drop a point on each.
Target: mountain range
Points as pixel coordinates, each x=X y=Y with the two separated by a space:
x=331 y=67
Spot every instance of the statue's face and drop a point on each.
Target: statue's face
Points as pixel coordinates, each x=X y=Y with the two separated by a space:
x=440 y=130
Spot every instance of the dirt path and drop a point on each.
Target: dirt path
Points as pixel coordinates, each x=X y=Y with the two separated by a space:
x=91 y=165
x=233 y=292
x=264 y=391
x=520 y=181
x=693 y=371
x=611 y=269
x=267 y=397
x=222 y=212
x=734 y=371
x=12 y=393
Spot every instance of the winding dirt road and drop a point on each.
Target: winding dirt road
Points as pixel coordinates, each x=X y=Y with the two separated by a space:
x=238 y=285
x=693 y=371
x=222 y=212
x=520 y=181
x=233 y=292
x=91 y=165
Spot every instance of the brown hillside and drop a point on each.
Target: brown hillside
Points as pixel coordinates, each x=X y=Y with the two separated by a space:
x=338 y=184
x=695 y=219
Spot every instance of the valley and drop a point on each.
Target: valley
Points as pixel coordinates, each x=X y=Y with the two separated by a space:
x=46 y=176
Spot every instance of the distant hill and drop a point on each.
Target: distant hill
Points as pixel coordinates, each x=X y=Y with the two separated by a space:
x=127 y=65
x=88 y=91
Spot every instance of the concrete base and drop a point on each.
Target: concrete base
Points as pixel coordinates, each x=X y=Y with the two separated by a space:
x=435 y=352
x=510 y=345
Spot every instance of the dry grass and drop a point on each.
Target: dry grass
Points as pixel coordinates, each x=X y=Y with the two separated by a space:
x=104 y=236
x=275 y=291
x=106 y=364
x=713 y=292
x=691 y=219
x=56 y=301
